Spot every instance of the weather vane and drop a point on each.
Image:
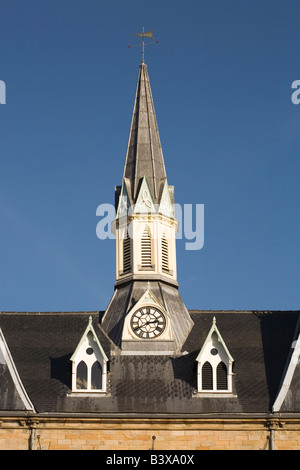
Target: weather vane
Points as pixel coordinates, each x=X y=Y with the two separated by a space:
x=142 y=37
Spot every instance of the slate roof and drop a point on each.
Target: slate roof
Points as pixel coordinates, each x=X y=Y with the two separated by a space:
x=41 y=345
x=12 y=393
x=144 y=155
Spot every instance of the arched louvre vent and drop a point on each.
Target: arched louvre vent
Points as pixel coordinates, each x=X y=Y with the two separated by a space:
x=222 y=376
x=207 y=376
x=127 y=254
x=96 y=376
x=81 y=376
x=146 y=260
x=165 y=253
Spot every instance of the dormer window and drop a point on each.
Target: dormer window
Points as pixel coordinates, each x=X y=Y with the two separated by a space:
x=214 y=364
x=89 y=364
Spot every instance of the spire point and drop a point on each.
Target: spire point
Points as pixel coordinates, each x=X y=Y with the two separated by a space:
x=144 y=158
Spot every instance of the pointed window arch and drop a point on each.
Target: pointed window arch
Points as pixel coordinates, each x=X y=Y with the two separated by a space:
x=146 y=248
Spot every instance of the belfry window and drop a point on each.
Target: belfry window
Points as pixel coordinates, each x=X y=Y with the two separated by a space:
x=89 y=364
x=165 y=253
x=127 y=254
x=146 y=249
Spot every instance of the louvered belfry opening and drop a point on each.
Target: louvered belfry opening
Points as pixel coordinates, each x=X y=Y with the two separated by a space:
x=146 y=256
x=165 y=253
x=207 y=376
x=222 y=376
x=127 y=254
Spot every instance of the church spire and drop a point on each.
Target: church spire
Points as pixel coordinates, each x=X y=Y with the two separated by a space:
x=144 y=157
x=145 y=233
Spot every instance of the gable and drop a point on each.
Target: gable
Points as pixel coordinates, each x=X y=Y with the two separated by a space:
x=124 y=202
x=13 y=395
x=144 y=202
x=166 y=207
x=89 y=338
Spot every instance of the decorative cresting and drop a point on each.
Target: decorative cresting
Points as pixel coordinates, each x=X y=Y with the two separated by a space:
x=214 y=364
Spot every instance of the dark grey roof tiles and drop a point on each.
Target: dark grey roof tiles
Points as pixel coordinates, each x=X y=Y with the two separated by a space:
x=144 y=156
x=42 y=344
x=9 y=397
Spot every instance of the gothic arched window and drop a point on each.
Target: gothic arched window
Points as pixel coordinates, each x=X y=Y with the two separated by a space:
x=81 y=376
x=207 y=376
x=222 y=382
x=96 y=376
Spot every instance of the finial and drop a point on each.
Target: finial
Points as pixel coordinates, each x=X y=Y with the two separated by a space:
x=142 y=37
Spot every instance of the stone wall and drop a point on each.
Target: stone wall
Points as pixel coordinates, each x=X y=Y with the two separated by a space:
x=122 y=434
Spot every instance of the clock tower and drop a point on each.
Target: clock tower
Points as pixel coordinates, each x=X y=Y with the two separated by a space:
x=146 y=314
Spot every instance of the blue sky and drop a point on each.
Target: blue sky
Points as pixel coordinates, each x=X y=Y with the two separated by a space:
x=221 y=79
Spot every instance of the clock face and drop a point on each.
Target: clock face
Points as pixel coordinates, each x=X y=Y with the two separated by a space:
x=148 y=322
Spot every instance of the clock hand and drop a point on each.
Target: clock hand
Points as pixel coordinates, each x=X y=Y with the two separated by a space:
x=139 y=326
x=144 y=324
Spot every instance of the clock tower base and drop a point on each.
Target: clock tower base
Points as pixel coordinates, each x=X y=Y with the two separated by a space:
x=133 y=297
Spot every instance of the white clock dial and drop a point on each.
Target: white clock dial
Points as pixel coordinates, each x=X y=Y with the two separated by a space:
x=148 y=322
